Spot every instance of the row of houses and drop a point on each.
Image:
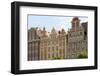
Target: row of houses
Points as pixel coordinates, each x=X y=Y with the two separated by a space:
x=44 y=45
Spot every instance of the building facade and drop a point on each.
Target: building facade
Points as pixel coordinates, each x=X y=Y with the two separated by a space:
x=53 y=45
x=33 y=44
x=43 y=45
x=77 y=39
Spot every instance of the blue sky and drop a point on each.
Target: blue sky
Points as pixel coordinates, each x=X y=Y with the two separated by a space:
x=49 y=22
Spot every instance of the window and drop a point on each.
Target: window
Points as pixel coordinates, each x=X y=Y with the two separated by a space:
x=85 y=33
x=63 y=49
x=48 y=42
x=57 y=48
x=48 y=49
x=48 y=55
x=69 y=34
x=53 y=55
x=52 y=42
x=80 y=33
x=52 y=48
